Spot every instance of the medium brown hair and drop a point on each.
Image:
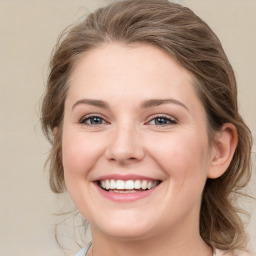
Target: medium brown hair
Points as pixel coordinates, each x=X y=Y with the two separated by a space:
x=190 y=41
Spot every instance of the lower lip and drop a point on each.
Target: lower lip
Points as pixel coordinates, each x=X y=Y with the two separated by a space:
x=126 y=197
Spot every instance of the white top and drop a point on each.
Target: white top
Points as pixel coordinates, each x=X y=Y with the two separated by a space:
x=84 y=251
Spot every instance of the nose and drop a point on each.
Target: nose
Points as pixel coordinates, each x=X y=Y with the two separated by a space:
x=125 y=146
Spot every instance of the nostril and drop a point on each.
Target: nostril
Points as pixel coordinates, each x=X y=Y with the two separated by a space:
x=132 y=158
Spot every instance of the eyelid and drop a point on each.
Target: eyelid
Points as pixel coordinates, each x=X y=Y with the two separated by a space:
x=82 y=120
x=172 y=119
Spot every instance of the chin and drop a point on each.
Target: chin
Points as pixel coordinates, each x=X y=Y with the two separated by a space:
x=126 y=233
x=125 y=228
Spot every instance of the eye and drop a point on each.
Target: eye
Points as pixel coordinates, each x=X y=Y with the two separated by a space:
x=162 y=120
x=93 y=120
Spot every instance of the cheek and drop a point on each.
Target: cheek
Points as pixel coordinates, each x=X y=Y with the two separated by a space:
x=182 y=155
x=79 y=153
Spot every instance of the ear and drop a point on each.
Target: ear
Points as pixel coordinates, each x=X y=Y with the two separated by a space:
x=55 y=131
x=224 y=147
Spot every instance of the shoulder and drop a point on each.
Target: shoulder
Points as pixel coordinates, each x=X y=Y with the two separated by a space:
x=234 y=253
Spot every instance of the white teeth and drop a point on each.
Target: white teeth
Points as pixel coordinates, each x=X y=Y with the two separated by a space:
x=120 y=184
x=144 y=184
x=124 y=191
x=149 y=186
x=107 y=184
x=128 y=185
x=137 y=184
x=112 y=184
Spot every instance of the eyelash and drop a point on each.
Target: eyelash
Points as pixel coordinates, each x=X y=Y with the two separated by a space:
x=87 y=118
x=165 y=118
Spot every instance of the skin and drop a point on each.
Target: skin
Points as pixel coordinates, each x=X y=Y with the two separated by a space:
x=128 y=140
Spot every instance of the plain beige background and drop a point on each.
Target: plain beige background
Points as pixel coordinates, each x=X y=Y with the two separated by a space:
x=28 y=31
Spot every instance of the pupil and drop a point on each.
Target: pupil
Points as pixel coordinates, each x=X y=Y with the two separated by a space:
x=161 y=121
x=96 y=120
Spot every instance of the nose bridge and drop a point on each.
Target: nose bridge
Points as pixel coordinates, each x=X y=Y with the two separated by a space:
x=125 y=144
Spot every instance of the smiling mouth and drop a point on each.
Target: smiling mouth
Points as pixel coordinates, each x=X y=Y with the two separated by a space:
x=127 y=186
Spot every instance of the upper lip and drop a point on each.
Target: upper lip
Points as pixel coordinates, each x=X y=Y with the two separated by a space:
x=125 y=177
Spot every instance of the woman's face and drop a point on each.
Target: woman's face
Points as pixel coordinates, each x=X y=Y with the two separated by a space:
x=135 y=147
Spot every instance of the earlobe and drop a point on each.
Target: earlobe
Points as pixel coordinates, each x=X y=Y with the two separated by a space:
x=224 y=148
x=55 y=131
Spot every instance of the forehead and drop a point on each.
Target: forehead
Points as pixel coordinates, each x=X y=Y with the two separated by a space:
x=130 y=72
x=115 y=58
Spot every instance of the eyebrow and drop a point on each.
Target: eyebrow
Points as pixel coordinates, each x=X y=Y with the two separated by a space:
x=146 y=104
x=157 y=102
x=96 y=103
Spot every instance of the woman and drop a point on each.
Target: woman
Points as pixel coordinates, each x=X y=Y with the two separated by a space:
x=141 y=111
